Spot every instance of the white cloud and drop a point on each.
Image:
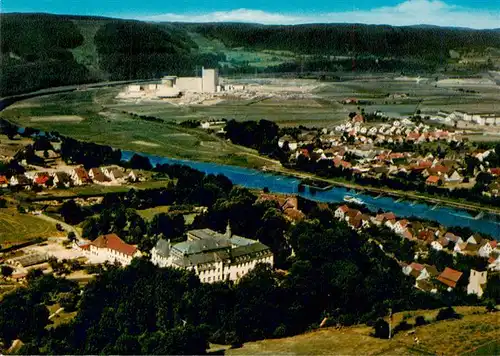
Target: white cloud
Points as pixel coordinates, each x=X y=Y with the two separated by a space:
x=410 y=12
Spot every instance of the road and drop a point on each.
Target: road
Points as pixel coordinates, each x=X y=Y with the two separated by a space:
x=66 y=227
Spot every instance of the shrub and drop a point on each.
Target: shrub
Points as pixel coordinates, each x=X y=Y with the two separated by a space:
x=381 y=329
x=402 y=326
x=447 y=313
x=420 y=320
x=491 y=305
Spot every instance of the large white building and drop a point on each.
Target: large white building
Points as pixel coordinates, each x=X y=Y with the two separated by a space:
x=212 y=256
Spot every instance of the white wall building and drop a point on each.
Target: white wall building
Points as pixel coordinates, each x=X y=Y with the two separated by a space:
x=110 y=248
x=212 y=256
x=477 y=282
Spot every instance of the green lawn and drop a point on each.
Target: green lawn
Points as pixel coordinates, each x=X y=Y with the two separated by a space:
x=16 y=227
x=148 y=214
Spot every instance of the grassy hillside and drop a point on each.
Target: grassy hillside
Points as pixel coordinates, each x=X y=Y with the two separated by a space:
x=474 y=334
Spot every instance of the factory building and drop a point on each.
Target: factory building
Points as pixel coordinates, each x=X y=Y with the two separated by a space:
x=172 y=86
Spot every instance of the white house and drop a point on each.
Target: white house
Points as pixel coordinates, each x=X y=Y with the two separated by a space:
x=341 y=212
x=454 y=177
x=477 y=282
x=486 y=248
x=212 y=256
x=112 y=249
x=401 y=226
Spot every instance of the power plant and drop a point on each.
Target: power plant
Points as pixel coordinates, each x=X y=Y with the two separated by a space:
x=173 y=86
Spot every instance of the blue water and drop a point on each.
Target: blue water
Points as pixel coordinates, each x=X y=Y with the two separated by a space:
x=251 y=178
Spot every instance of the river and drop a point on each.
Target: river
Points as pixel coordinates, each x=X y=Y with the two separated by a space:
x=251 y=178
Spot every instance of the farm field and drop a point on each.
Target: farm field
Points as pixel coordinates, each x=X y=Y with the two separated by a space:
x=16 y=227
x=121 y=130
x=474 y=334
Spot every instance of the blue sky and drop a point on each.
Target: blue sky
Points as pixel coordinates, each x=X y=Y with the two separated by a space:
x=466 y=13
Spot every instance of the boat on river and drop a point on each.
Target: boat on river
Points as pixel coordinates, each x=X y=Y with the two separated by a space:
x=351 y=199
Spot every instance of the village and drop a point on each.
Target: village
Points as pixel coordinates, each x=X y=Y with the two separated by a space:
x=403 y=151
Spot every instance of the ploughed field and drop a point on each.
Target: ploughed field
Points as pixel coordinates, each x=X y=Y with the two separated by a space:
x=16 y=227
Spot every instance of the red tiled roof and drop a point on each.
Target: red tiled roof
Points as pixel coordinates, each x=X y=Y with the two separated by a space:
x=4 y=180
x=344 y=208
x=294 y=214
x=432 y=179
x=41 y=179
x=449 y=277
x=403 y=223
x=494 y=243
x=495 y=171
x=390 y=216
x=113 y=242
x=82 y=174
x=416 y=266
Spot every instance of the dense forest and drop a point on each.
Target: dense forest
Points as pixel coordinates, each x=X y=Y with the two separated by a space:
x=343 y=39
x=41 y=50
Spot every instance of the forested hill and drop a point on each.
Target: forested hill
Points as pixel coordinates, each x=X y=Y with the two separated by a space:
x=43 y=50
x=343 y=39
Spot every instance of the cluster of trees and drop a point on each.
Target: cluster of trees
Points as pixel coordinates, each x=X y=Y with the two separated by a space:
x=261 y=135
x=88 y=153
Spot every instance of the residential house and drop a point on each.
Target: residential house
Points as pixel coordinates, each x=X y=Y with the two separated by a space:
x=440 y=244
x=428 y=272
x=486 y=247
x=116 y=175
x=61 y=179
x=4 y=182
x=409 y=269
x=449 y=277
x=466 y=248
x=41 y=179
x=341 y=211
x=474 y=239
x=432 y=180
x=453 y=177
x=113 y=249
x=135 y=176
x=453 y=238
x=79 y=176
x=19 y=180
x=494 y=262
x=98 y=177
x=401 y=226
x=292 y=143
x=477 y=282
